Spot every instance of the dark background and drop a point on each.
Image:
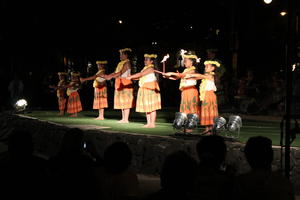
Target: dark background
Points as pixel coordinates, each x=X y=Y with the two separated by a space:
x=35 y=36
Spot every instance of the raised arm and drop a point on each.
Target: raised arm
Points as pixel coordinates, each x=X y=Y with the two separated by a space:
x=172 y=75
x=140 y=74
x=126 y=66
x=88 y=78
x=197 y=76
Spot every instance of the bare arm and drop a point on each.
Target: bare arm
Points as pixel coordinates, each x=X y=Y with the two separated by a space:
x=140 y=74
x=198 y=76
x=89 y=78
x=126 y=66
x=172 y=75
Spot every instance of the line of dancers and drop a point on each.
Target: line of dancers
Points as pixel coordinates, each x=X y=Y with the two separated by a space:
x=202 y=102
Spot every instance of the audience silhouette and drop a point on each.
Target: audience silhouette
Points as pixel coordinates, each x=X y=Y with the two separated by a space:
x=177 y=177
x=214 y=179
x=261 y=183
x=23 y=175
x=119 y=181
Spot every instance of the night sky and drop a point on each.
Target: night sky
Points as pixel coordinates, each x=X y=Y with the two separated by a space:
x=36 y=35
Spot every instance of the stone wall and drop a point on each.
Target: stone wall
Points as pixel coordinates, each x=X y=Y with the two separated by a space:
x=149 y=151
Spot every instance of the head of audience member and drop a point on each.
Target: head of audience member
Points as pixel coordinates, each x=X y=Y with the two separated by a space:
x=72 y=142
x=259 y=153
x=117 y=157
x=178 y=172
x=20 y=144
x=211 y=151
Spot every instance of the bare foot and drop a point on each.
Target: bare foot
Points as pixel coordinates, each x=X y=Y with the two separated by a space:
x=151 y=126
x=189 y=130
x=146 y=126
x=75 y=115
x=99 y=118
x=121 y=121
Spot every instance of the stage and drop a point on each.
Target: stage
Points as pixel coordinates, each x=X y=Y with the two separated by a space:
x=149 y=145
x=268 y=126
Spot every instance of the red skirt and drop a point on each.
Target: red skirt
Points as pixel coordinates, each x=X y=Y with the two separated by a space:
x=209 y=108
x=74 y=103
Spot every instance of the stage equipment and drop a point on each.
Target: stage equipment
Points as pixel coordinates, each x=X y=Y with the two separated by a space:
x=20 y=105
x=219 y=124
x=234 y=125
x=180 y=120
x=192 y=121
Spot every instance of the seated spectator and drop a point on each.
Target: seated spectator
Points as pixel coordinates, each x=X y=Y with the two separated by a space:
x=23 y=175
x=261 y=183
x=71 y=171
x=118 y=181
x=214 y=179
x=177 y=177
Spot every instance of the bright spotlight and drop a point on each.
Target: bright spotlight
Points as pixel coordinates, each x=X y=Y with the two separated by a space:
x=283 y=13
x=120 y=22
x=268 y=1
x=21 y=105
x=219 y=124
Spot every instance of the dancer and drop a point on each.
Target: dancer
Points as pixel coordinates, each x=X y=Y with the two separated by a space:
x=123 y=98
x=100 y=91
x=61 y=92
x=209 y=106
x=190 y=103
x=74 y=103
x=148 y=97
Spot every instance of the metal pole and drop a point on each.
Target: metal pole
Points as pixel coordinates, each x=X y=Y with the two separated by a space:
x=288 y=88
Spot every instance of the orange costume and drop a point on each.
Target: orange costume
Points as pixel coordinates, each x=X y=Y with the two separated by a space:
x=123 y=98
x=61 y=93
x=190 y=103
x=74 y=103
x=209 y=106
x=100 y=91
x=148 y=97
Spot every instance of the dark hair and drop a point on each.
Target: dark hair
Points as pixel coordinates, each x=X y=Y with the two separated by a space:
x=259 y=153
x=117 y=157
x=178 y=171
x=211 y=150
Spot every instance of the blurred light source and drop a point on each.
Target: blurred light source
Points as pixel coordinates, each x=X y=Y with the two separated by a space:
x=283 y=13
x=120 y=22
x=219 y=124
x=180 y=120
x=192 y=121
x=21 y=105
x=268 y=1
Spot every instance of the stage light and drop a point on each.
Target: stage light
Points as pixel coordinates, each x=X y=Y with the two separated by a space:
x=192 y=121
x=180 y=120
x=283 y=13
x=21 y=105
x=219 y=124
x=120 y=22
x=234 y=124
x=268 y=1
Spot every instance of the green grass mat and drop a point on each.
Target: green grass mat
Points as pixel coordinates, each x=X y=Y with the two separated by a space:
x=164 y=127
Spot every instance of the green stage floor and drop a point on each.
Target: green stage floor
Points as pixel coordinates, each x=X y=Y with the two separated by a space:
x=252 y=125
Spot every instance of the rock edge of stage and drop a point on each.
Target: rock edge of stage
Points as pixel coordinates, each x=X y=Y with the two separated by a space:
x=148 y=151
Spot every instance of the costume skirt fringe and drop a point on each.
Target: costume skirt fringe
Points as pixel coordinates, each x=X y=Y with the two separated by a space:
x=190 y=103
x=74 y=104
x=209 y=108
x=100 y=98
x=148 y=100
